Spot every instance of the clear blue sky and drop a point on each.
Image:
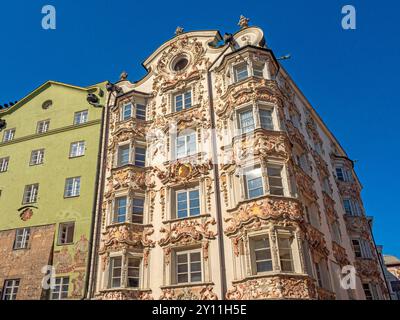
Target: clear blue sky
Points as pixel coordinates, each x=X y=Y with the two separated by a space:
x=350 y=77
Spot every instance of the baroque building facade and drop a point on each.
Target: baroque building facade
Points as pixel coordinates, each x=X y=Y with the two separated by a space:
x=49 y=149
x=220 y=181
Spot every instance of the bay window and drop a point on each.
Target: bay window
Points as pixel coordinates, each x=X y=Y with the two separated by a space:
x=126 y=111
x=137 y=210
x=285 y=253
x=123 y=157
x=352 y=207
x=140 y=112
x=133 y=272
x=275 y=180
x=240 y=72
x=254 y=183
x=261 y=255
x=120 y=209
x=246 y=121
x=252 y=117
x=115 y=272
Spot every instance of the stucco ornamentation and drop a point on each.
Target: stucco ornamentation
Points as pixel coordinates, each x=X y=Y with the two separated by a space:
x=253 y=89
x=316 y=240
x=273 y=288
x=180 y=172
x=251 y=215
x=324 y=294
x=304 y=182
x=340 y=254
x=329 y=205
x=296 y=136
x=125 y=236
x=125 y=295
x=368 y=269
x=187 y=231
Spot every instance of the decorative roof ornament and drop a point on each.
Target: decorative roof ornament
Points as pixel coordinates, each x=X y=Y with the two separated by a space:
x=179 y=30
x=123 y=76
x=243 y=22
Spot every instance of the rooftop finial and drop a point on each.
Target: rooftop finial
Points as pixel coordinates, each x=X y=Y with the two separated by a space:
x=123 y=76
x=178 y=31
x=243 y=22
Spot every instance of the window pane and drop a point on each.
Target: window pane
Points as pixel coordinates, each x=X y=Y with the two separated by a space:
x=241 y=72
x=123 y=155
x=264 y=266
x=182 y=258
x=183 y=278
x=246 y=121
x=266 y=119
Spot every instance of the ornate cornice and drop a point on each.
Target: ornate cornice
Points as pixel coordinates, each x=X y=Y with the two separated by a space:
x=316 y=241
x=340 y=254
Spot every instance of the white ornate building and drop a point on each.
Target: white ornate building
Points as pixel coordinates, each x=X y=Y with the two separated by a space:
x=220 y=181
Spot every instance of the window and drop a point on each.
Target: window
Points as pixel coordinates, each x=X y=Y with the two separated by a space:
x=240 y=72
x=336 y=234
x=285 y=254
x=254 y=183
x=266 y=119
x=370 y=291
x=30 y=193
x=362 y=249
x=66 y=233
x=72 y=187
x=188 y=267
x=124 y=155
x=140 y=156
x=137 y=210
x=340 y=174
x=10 y=289
x=188 y=203
x=81 y=117
x=258 y=70
x=186 y=145
x=60 y=289
x=22 y=238
x=77 y=149
x=8 y=135
x=352 y=207
x=133 y=272
x=183 y=101
x=37 y=157
x=127 y=111
x=180 y=64
x=261 y=252
x=141 y=112
x=246 y=121
x=115 y=272
x=43 y=126
x=275 y=180
x=319 y=274
x=357 y=248
x=120 y=209
x=4 y=164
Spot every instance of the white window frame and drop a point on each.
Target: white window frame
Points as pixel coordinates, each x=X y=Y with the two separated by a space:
x=111 y=272
x=31 y=192
x=22 y=237
x=43 y=126
x=81 y=117
x=115 y=214
x=9 y=135
x=235 y=71
x=291 y=239
x=188 y=208
x=64 y=230
x=4 y=162
x=184 y=105
x=142 y=198
x=57 y=291
x=129 y=147
x=13 y=285
x=37 y=157
x=125 y=117
x=138 y=268
x=136 y=153
x=259 y=66
x=76 y=187
x=254 y=260
x=186 y=152
x=77 y=149
x=140 y=117
x=256 y=167
x=189 y=262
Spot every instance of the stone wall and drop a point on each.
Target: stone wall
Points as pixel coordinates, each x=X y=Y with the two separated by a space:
x=26 y=264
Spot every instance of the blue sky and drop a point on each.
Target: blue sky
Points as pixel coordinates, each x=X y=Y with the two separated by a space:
x=350 y=77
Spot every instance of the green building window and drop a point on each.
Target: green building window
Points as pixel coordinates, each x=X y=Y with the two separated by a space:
x=72 y=187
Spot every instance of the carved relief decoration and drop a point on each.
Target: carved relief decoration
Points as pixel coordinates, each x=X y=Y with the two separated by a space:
x=195 y=293
x=187 y=231
x=368 y=269
x=191 y=48
x=296 y=136
x=304 y=182
x=125 y=295
x=340 y=254
x=180 y=172
x=316 y=241
x=125 y=236
x=284 y=287
x=253 y=215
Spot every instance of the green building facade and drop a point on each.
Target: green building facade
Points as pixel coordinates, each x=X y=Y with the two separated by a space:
x=49 y=159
